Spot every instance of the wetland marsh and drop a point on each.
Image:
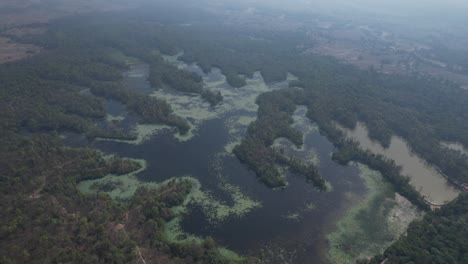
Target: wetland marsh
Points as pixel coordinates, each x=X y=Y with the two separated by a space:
x=227 y=202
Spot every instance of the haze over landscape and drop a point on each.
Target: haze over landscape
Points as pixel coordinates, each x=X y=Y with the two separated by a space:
x=220 y=131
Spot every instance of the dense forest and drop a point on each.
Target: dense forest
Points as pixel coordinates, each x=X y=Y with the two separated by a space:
x=441 y=237
x=43 y=93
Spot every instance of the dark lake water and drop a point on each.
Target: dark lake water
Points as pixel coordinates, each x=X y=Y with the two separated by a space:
x=167 y=157
x=290 y=225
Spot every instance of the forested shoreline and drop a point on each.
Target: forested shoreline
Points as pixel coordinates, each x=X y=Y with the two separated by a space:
x=40 y=98
x=274 y=120
x=441 y=237
x=420 y=109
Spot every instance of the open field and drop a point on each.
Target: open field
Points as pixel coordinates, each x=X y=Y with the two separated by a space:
x=25 y=17
x=11 y=51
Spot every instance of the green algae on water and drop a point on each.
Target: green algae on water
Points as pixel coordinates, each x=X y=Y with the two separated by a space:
x=112 y=118
x=172 y=58
x=304 y=152
x=119 y=56
x=197 y=111
x=128 y=183
x=143 y=132
x=214 y=209
x=373 y=223
x=296 y=215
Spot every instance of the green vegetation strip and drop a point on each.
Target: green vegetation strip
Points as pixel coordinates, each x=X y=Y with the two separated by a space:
x=373 y=222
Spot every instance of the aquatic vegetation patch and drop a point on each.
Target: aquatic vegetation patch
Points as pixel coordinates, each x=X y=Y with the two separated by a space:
x=229 y=254
x=370 y=225
x=125 y=185
x=293 y=216
x=296 y=215
x=172 y=58
x=275 y=252
x=302 y=122
x=402 y=214
x=305 y=153
x=143 y=133
x=197 y=110
x=217 y=211
x=112 y=118
x=174 y=234
x=190 y=107
x=237 y=126
x=215 y=78
x=245 y=120
x=119 y=56
x=229 y=147
x=214 y=210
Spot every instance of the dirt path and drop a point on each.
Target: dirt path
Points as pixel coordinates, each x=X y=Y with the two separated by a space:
x=37 y=193
x=140 y=256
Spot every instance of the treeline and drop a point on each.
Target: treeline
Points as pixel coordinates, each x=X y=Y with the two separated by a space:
x=43 y=93
x=152 y=211
x=30 y=103
x=150 y=109
x=165 y=74
x=101 y=35
x=274 y=120
x=350 y=151
x=440 y=237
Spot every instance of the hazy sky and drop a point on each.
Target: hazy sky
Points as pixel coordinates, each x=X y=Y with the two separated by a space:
x=414 y=13
x=381 y=6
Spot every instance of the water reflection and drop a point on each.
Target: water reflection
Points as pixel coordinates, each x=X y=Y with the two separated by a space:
x=424 y=177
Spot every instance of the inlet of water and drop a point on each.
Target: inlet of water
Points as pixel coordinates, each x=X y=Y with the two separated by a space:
x=424 y=177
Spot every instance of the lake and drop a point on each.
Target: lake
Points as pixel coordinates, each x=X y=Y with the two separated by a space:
x=292 y=225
